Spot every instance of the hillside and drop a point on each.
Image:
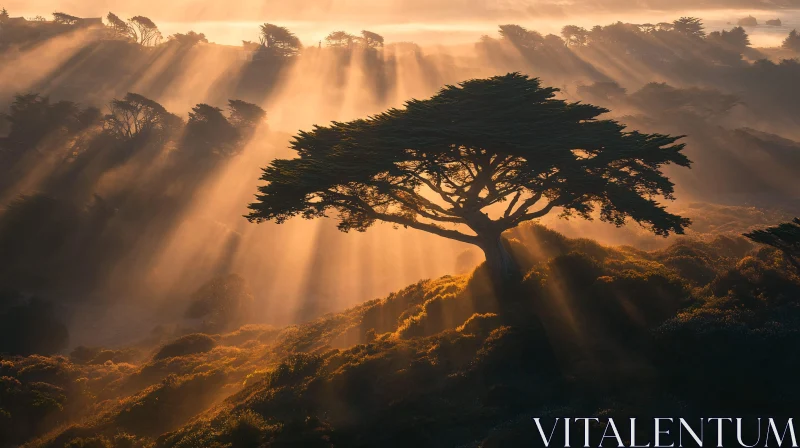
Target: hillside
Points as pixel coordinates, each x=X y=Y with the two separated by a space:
x=593 y=330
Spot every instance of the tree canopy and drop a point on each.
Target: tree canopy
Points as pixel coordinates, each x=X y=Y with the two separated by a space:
x=60 y=17
x=189 y=39
x=136 y=116
x=144 y=31
x=439 y=165
x=340 y=39
x=792 y=42
x=521 y=37
x=279 y=40
x=784 y=237
x=689 y=26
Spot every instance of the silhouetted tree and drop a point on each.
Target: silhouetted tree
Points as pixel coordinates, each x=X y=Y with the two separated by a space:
x=706 y=103
x=279 y=40
x=3 y=15
x=120 y=28
x=792 y=42
x=521 y=37
x=189 y=39
x=371 y=40
x=340 y=39
x=33 y=117
x=208 y=131
x=145 y=32
x=447 y=159
x=553 y=41
x=784 y=237
x=736 y=38
x=575 y=36
x=60 y=17
x=604 y=91
x=136 y=116
x=244 y=115
x=689 y=26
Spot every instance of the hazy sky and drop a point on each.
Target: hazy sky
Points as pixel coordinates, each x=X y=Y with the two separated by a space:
x=422 y=21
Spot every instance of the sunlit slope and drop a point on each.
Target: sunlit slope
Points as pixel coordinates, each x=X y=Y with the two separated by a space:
x=438 y=363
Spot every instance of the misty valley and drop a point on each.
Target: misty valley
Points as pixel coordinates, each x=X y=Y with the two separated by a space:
x=354 y=241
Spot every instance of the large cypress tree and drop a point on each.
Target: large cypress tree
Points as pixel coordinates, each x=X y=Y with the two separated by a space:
x=473 y=161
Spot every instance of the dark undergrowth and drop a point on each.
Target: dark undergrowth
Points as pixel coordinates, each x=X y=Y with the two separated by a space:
x=591 y=330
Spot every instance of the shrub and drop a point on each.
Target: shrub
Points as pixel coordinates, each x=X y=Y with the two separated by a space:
x=186 y=345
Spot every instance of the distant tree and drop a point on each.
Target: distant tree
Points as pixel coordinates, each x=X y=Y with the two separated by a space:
x=37 y=19
x=279 y=40
x=784 y=237
x=189 y=39
x=209 y=131
x=703 y=102
x=340 y=39
x=3 y=15
x=144 y=31
x=446 y=160
x=736 y=38
x=553 y=41
x=603 y=90
x=689 y=26
x=33 y=117
x=521 y=37
x=371 y=40
x=792 y=42
x=575 y=36
x=648 y=27
x=665 y=26
x=120 y=28
x=60 y=17
x=244 y=115
x=136 y=116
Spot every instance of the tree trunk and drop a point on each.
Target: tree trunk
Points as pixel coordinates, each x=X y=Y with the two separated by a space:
x=503 y=269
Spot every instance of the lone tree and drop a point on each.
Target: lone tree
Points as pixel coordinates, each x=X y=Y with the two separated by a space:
x=689 y=26
x=279 y=40
x=144 y=31
x=120 y=28
x=792 y=42
x=501 y=146
x=784 y=237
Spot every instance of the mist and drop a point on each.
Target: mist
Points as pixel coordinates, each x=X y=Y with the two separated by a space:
x=300 y=270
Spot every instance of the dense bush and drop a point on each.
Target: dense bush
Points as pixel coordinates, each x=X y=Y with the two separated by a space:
x=186 y=345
